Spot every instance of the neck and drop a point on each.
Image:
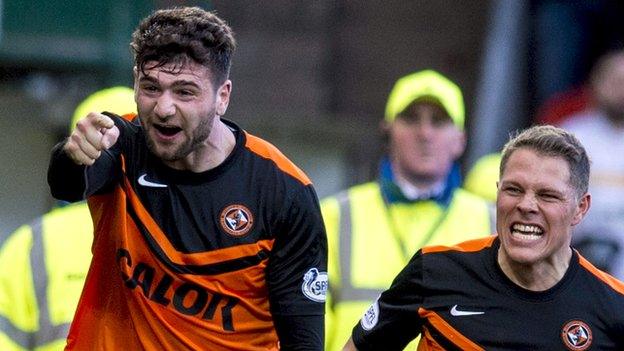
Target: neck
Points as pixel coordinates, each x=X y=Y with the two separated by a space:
x=415 y=184
x=535 y=276
x=412 y=191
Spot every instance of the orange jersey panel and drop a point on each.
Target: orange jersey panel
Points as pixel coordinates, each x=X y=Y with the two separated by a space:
x=151 y=305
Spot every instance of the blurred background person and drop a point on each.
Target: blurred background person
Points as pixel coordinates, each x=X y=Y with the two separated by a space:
x=571 y=36
x=44 y=263
x=535 y=62
x=601 y=129
x=374 y=228
x=568 y=37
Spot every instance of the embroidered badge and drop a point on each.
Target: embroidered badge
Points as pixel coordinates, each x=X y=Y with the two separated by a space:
x=371 y=316
x=236 y=220
x=315 y=285
x=576 y=335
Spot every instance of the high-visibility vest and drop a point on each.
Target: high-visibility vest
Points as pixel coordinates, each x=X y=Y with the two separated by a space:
x=370 y=241
x=482 y=178
x=43 y=266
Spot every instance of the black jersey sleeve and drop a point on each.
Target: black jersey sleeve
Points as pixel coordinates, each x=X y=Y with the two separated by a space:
x=300 y=333
x=297 y=269
x=71 y=182
x=392 y=321
x=65 y=178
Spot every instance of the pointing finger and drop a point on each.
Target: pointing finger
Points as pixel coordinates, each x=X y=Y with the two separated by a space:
x=101 y=121
x=92 y=129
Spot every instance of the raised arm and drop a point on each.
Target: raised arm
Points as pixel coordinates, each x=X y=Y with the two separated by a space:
x=70 y=174
x=93 y=134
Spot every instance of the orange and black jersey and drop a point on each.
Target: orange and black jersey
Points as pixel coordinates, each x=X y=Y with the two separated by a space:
x=458 y=298
x=233 y=258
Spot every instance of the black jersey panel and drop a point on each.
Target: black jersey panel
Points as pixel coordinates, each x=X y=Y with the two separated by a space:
x=205 y=211
x=300 y=249
x=206 y=269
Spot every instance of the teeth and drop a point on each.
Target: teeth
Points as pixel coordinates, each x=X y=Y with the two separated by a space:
x=527 y=229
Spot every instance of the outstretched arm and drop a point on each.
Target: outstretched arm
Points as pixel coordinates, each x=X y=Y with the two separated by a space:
x=92 y=135
x=70 y=174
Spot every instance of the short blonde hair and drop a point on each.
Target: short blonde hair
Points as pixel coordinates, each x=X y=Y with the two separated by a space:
x=555 y=142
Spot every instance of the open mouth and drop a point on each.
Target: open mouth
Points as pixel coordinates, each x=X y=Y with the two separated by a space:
x=167 y=130
x=526 y=231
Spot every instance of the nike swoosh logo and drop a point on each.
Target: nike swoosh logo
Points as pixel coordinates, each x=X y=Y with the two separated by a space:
x=145 y=182
x=455 y=312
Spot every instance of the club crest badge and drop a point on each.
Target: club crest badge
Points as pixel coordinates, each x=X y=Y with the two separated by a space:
x=315 y=285
x=576 y=335
x=236 y=220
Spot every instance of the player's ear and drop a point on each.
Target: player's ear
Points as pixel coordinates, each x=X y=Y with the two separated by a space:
x=581 y=210
x=223 y=97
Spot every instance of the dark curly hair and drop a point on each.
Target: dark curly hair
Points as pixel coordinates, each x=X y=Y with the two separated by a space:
x=177 y=35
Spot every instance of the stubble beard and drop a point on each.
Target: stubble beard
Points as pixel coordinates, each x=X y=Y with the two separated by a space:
x=199 y=136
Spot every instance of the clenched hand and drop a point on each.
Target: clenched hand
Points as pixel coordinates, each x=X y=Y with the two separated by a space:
x=93 y=134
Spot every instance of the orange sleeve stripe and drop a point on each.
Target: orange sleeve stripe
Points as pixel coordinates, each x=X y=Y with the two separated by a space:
x=129 y=116
x=123 y=163
x=190 y=258
x=448 y=331
x=270 y=152
x=427 y=342
x=466 y=246
x=606 y=278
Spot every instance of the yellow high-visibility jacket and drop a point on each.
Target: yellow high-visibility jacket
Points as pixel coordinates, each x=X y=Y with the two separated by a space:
x=43 y=266
x=370 y=241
